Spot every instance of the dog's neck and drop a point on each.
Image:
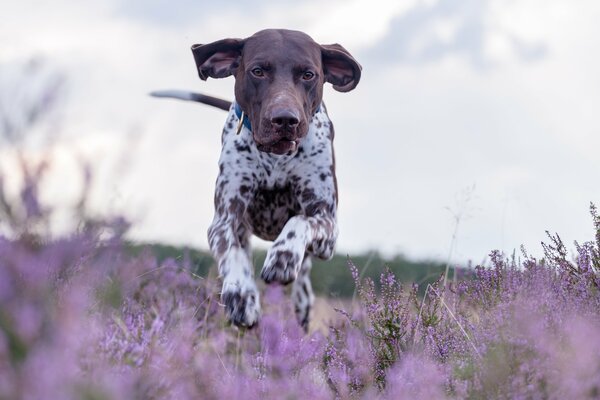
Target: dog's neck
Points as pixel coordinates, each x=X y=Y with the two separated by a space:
x=279 y=166
x=243 y=116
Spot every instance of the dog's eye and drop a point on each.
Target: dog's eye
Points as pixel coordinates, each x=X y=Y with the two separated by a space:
x=258 y=72
x=308 y=75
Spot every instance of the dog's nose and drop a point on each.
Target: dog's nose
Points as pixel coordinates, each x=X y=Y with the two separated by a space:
x=284 y=119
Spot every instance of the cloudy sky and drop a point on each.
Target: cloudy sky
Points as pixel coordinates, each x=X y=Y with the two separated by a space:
x=477 y=111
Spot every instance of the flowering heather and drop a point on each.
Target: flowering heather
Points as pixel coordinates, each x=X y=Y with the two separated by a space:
x=81 y=318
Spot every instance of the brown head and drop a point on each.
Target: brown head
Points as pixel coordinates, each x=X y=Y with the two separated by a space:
x=279 y=76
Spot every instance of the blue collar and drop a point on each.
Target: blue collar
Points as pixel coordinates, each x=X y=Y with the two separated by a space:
x=246 y=122
x=238 y=113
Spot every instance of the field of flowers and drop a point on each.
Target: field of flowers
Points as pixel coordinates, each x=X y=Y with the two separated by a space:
x=81 y=318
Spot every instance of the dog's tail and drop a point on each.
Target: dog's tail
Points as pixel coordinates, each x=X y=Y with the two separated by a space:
x=191 y=96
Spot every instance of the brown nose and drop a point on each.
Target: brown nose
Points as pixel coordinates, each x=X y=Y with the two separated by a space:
x=284 y=119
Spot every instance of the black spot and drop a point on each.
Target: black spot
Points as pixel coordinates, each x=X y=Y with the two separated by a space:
x=244 y=189
x=242 y=148
x=308 y=195
x=331 y=207
x=314 y=208
x=291 y=235
x=305 y=290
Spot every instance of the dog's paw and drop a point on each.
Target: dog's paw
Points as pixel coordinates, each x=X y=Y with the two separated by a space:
x=281 y=265
x=242 y=303
x=323 y=248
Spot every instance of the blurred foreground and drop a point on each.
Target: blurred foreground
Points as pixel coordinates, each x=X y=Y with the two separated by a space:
x=84 y=315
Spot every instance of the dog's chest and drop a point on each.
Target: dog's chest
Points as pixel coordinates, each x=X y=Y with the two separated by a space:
x=270 y=209
x=275 y=184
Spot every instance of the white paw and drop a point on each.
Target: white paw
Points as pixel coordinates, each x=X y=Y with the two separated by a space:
x=242 y=302
x=283 y=262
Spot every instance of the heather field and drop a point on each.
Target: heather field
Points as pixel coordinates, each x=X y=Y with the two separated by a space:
x=82 y=316
x=463 y=131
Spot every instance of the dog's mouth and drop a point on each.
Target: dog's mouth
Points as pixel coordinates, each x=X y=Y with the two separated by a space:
x=282 y=146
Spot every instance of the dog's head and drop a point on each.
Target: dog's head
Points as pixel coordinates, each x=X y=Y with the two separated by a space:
x=279 y=77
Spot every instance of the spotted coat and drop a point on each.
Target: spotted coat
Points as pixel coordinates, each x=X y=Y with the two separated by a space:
x=277 y=176
x=290 y=199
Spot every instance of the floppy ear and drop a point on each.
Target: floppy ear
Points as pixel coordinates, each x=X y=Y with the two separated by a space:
x=218 y=59
x=341 y=69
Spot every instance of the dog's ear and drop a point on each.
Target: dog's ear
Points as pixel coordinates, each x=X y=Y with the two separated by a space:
x=340 y=68
x=218 y=59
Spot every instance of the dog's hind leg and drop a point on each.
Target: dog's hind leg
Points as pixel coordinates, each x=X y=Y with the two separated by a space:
x=302 y=294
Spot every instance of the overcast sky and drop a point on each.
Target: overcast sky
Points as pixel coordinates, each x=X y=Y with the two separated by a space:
x=485 y=109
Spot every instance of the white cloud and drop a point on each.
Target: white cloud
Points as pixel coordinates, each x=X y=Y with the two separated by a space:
x=523 y=132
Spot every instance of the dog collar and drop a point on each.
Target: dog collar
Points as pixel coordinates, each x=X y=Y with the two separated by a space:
x=245 y=121
x=242 y=117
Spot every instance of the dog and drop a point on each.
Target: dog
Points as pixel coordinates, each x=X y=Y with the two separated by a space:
x=277 y=167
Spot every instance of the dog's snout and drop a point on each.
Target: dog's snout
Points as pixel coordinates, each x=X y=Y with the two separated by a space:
x=285 y=119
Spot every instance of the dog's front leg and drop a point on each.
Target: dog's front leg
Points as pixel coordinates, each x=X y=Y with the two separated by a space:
x=229 y=243
x=315 y=234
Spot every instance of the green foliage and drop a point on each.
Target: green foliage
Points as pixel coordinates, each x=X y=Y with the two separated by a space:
x=199 y=262
x=329 y=278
